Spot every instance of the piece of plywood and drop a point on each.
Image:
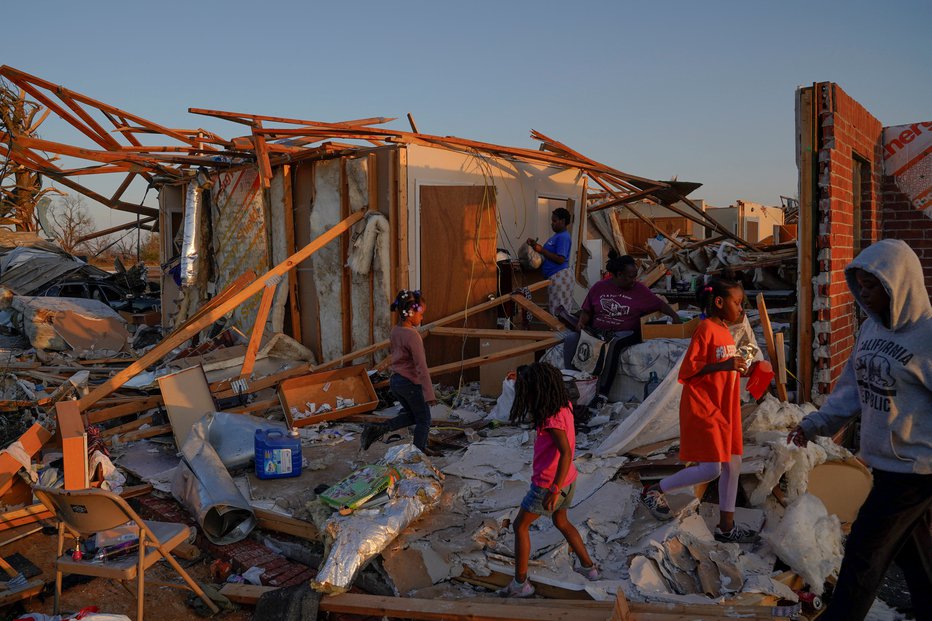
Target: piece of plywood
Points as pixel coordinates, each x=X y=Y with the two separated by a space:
x=492 y=374
x=768 y=339
x=187 y=398
x=458 y=231
x=842 y=486
x=74 y=445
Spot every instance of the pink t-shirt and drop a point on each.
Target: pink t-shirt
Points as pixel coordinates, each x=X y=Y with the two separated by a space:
x=615 y=309
x=546 y=453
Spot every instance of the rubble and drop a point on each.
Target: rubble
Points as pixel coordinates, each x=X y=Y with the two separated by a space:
x=225 y=367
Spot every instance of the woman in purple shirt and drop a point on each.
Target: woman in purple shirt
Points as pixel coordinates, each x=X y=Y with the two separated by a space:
x=612 y=310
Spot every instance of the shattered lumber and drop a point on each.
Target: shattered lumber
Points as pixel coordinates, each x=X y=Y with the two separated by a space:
x=425 y=330
x=204 y=319
x=503 y=609
x=771 y=346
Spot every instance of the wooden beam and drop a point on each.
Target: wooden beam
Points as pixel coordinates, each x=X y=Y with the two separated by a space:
x=117 y=228
x=191 y=328
x=346 y=275
x=258 y=327
x=492 y=334
x=806 y=131
x=275 y=522
x=538 y=312
x=427 y=328
x=768 y=339
x=293 y=301
x=116 y=411
x=503 y=609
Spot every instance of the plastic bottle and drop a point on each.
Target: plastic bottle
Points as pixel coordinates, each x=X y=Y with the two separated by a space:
x=278 y=453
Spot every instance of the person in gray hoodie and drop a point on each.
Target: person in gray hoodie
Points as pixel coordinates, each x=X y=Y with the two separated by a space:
x=888 y=381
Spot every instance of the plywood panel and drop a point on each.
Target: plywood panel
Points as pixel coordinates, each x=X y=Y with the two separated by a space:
x=457 y=251
x=636 y=232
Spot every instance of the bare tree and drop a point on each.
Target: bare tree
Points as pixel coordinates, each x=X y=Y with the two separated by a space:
x=20 y=187
x=70 y=222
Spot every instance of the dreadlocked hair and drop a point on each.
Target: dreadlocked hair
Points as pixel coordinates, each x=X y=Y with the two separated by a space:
x=539 y=394
x=715 y=287
x=407 y=301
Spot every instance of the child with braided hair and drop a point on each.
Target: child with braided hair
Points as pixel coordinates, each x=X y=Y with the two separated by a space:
x=710 y=411
x=410 y=381
x=540 y=396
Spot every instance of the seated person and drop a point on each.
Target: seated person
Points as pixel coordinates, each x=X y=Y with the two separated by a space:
x=612 y=310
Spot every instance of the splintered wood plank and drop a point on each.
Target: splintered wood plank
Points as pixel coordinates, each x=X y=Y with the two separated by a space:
x=493 y=334
x=542 y=315
x=438 y=609
x=258 y=328
x=768 y=338
x=248 y=594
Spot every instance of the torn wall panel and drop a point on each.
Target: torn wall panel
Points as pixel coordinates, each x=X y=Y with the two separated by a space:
x=239 y=235
x=361 y=291
x=327 y=262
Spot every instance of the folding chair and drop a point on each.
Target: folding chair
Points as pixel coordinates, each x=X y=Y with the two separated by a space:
x=89 y=511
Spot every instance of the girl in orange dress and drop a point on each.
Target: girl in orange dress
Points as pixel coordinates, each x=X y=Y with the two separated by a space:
x=710 y=411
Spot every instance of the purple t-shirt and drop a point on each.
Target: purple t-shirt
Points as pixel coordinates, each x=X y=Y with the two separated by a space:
x=615 y=309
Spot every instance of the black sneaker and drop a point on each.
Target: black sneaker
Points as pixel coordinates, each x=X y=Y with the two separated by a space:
x=657 y=505
x=370 y=434
x=738 y=534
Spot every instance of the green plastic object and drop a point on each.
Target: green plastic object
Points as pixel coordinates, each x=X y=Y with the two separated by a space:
x=359 y=487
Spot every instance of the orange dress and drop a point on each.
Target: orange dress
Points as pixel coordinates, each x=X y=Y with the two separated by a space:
x=710 y=408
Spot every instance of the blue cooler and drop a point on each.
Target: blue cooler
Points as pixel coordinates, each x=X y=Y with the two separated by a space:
x=278 y=454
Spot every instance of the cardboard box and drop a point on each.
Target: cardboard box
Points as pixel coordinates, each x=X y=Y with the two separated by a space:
x=491 y=374
x=667 y=330
x=324 y=387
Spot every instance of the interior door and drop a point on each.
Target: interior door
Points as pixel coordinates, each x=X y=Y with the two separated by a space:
x=457 y=262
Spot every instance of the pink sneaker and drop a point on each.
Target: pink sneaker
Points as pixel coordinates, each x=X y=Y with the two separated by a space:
x=591 y=573
x=518 y=589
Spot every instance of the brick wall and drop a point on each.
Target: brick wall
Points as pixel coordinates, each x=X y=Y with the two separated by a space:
x=903 y=221
x=849 y=137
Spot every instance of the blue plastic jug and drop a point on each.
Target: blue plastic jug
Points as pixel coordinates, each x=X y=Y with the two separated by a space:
x=278 y=454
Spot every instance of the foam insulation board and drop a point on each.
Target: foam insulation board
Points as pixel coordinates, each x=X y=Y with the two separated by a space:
x=327 y=262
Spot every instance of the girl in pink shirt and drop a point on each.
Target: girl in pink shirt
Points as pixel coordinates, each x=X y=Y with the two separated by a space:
x=540 y=396
x=410 y=381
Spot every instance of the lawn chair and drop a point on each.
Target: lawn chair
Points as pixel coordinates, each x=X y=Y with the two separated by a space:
x=89 y=511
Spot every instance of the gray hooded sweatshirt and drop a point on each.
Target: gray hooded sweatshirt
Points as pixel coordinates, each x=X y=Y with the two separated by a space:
x=888 y=379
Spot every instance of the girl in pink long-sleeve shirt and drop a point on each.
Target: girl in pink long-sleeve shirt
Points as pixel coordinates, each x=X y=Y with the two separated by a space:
x=410 y=381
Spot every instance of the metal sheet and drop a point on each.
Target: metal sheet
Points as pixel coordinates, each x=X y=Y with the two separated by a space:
x=204 y=486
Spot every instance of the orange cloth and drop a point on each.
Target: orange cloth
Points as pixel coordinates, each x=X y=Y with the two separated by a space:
x=710 y=408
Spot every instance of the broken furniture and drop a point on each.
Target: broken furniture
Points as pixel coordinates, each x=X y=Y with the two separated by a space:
x=187 y=398
x=86 y=512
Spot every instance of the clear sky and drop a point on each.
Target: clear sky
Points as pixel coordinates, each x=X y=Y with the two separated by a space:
x=700 y=90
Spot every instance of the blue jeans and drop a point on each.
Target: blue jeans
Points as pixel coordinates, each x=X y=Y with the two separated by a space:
x=414 y=410
x=533 y=501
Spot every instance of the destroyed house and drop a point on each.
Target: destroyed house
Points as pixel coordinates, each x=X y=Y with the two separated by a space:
x=443 y=214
